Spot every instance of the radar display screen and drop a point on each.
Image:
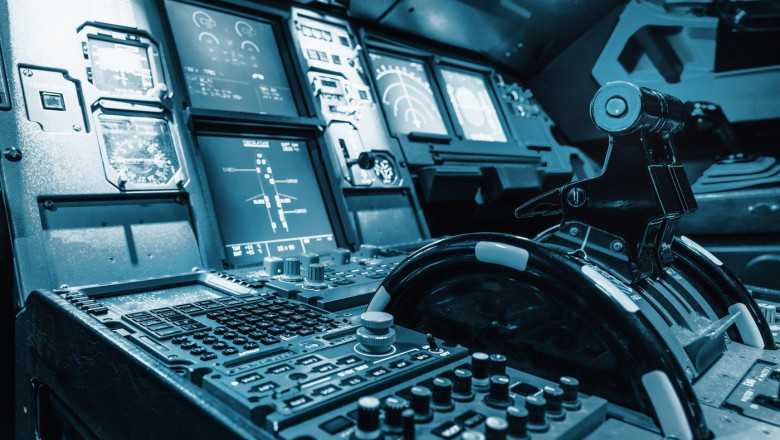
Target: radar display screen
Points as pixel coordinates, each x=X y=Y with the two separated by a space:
x=266 y=197
x=120 y=67
x=406 y=95
x=139 y=152
x=230 y=63
x=155 y=299
x=473 y=105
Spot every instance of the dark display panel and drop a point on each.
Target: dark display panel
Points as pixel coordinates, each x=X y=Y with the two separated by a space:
x=155 y=299
x=120 y=67
x=230 y=63
x=474 y=108
x=405 y=92
x=267 y=198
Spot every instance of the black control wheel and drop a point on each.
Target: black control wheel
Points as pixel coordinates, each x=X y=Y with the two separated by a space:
x=551 y=313
x=714 y=284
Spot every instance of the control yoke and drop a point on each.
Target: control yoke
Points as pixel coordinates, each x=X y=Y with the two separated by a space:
x=625 y=216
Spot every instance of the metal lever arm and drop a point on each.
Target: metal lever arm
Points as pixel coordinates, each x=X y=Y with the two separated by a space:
x=642 y=189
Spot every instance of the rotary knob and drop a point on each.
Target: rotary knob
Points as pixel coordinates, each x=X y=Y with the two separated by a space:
x=442 y=394
x=273 y=265
x=340 y=256
x=421 y=404
x=498 y=395
x=316 y=277
x=517 y=419
x=554 y=398
x=461 y=388
x=407 y=417
x=536 y=406
x=394 y=407
x=571 y=389
x=497 y=364
x=496 y=428
x=480 y=370
x=376 y=335
x=292 y=270
x=368 y=418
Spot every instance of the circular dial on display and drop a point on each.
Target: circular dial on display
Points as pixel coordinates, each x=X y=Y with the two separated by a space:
x=406 y=95
x=244 y=29
x=474 y=108
x=139 y=152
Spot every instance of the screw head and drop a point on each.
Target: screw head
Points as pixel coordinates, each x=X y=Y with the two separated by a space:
x=13 y=154
x=616 y=246
x=574 y=231
x=576 y=197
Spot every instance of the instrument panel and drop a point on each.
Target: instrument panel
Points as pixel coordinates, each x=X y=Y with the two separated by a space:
x=230 y=63
x=122 y=64
x=266 y=197
x=404 y=87
x=120 y=67
x=288 y=159
x=139 y=153
x=474 y=107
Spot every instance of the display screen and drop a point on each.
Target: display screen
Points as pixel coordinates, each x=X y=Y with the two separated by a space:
x=473 y=106
x=405 y=92
x=155 y=299
x=140 y=151
x=266 y=197
x=119 y=67
x=230 y=63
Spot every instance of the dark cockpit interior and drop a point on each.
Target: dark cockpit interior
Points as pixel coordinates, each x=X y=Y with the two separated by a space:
x=390 y=219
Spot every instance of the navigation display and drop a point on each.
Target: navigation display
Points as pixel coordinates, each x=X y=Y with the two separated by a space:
x=266 y=197
x=230 y=63
x=406 y=95
x=119 y=67
x=473 y=106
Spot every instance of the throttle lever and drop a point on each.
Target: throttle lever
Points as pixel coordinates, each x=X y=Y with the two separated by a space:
x=642 y=189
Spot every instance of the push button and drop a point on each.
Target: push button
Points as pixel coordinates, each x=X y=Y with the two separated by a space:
x=336 y=425
x=448 y=430
x=53 y=101
x=470 y=418
x=208 y=356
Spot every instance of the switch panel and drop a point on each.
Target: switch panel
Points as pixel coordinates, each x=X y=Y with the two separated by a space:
x=53 y=100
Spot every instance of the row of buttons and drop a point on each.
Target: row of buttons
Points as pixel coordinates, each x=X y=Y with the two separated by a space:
x=349 y=381
x=254 y=282
x=245 y=326
x=165 y=321
x=277 y=318
x=86 y=303
x=374 y=272
x=215 y=344
x=171 y=321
